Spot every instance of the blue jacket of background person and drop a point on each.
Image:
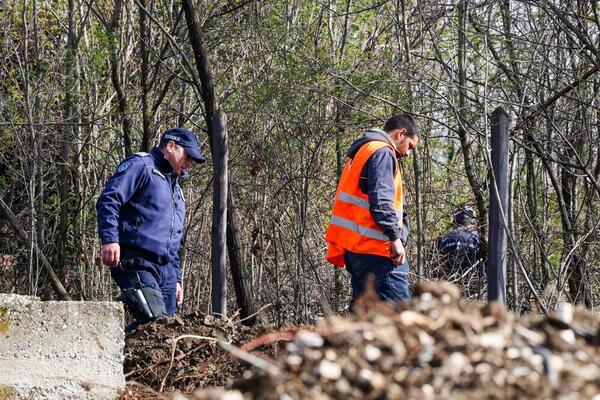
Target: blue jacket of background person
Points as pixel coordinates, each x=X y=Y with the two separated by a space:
x=142 y=208
x=462 y=246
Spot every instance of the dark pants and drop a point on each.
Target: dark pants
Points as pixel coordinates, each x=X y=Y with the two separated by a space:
x=391 y=281
x=156 y=276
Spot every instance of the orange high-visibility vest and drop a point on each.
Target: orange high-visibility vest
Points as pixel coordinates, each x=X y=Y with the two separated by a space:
x=352 y=227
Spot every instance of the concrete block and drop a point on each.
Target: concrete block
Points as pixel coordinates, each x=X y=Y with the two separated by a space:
x=60 y=349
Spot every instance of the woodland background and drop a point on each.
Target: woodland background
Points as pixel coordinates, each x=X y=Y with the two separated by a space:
x=86 y=82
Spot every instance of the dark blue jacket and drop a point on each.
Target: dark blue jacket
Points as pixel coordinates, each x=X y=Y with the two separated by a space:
x=142 y=207
x=377 y=182
x=461 y=246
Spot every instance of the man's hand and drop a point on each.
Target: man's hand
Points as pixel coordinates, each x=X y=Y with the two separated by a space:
x=398 y=253
x=110 y=254
x=179 y=294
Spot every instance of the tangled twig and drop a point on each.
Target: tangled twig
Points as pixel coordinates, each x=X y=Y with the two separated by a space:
x=173 y=348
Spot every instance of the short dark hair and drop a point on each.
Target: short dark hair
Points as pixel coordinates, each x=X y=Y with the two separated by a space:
x=402 y=121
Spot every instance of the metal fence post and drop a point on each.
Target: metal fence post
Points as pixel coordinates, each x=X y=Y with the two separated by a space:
x=497 y=237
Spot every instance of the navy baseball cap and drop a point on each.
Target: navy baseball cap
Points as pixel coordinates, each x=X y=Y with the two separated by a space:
x=464 y=215
x=186 y=139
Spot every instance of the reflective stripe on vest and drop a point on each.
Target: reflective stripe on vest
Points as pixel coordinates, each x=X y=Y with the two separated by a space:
x=357 y=201
x=354 y=227
x=363 y=203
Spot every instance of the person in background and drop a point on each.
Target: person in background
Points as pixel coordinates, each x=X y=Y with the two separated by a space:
x=459 y=252
x=141 y=213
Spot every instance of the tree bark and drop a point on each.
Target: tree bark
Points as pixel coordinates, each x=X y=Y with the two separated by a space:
x=144 y=74
x=116 y=80
x=338 y=274
x=219 y=217
x=236 y=265
x=198 y=42
x=578 y=279
x=66 y=181
x=465 y=145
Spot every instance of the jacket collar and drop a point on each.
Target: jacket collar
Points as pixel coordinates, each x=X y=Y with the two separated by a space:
x=370 y=136
x=378 y=134
x=162 y=164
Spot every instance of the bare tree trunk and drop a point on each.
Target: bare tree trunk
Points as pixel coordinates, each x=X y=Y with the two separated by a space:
x=513 y=260
x=181 y=119
x=198 y=42
x=37 y=176
x=236 y=264
x=31 y=236
x=403 y=39
x=219 y=217
x=210 y=108
x=144 y=75
x=116 y=80
x=66 y=182
x=465 y=145
x=419 y=214
x=538 y=265
x=597 y=168
x=342 y=111
x=339 y=165
x=578 y=280
x=38 y=143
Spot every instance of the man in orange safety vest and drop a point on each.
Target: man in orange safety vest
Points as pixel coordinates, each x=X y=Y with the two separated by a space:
x=368 y=229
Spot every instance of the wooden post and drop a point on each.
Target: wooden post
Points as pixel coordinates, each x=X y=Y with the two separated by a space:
x=497 y=237
x=219 y=220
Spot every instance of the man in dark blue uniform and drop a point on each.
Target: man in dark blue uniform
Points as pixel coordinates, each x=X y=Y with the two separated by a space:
x=141 y=214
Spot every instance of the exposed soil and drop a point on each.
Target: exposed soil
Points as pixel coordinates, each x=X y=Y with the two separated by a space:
x=435 y=346
x=197 y=362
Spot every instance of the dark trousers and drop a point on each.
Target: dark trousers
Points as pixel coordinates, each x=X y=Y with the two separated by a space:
x=391 y=281
x=161 y=277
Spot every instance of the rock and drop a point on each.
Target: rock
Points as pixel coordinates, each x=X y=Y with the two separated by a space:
x=328 y=370
x=492 y=340
x=372 y=353
x=215 y=394
x=308 y=339
x=438 y=289
x=564 y=313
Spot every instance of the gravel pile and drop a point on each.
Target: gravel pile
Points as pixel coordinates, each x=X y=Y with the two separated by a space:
x=436 y=346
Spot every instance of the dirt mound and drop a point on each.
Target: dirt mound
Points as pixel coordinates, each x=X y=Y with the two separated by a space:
x=435 y=346
x=181 y=353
